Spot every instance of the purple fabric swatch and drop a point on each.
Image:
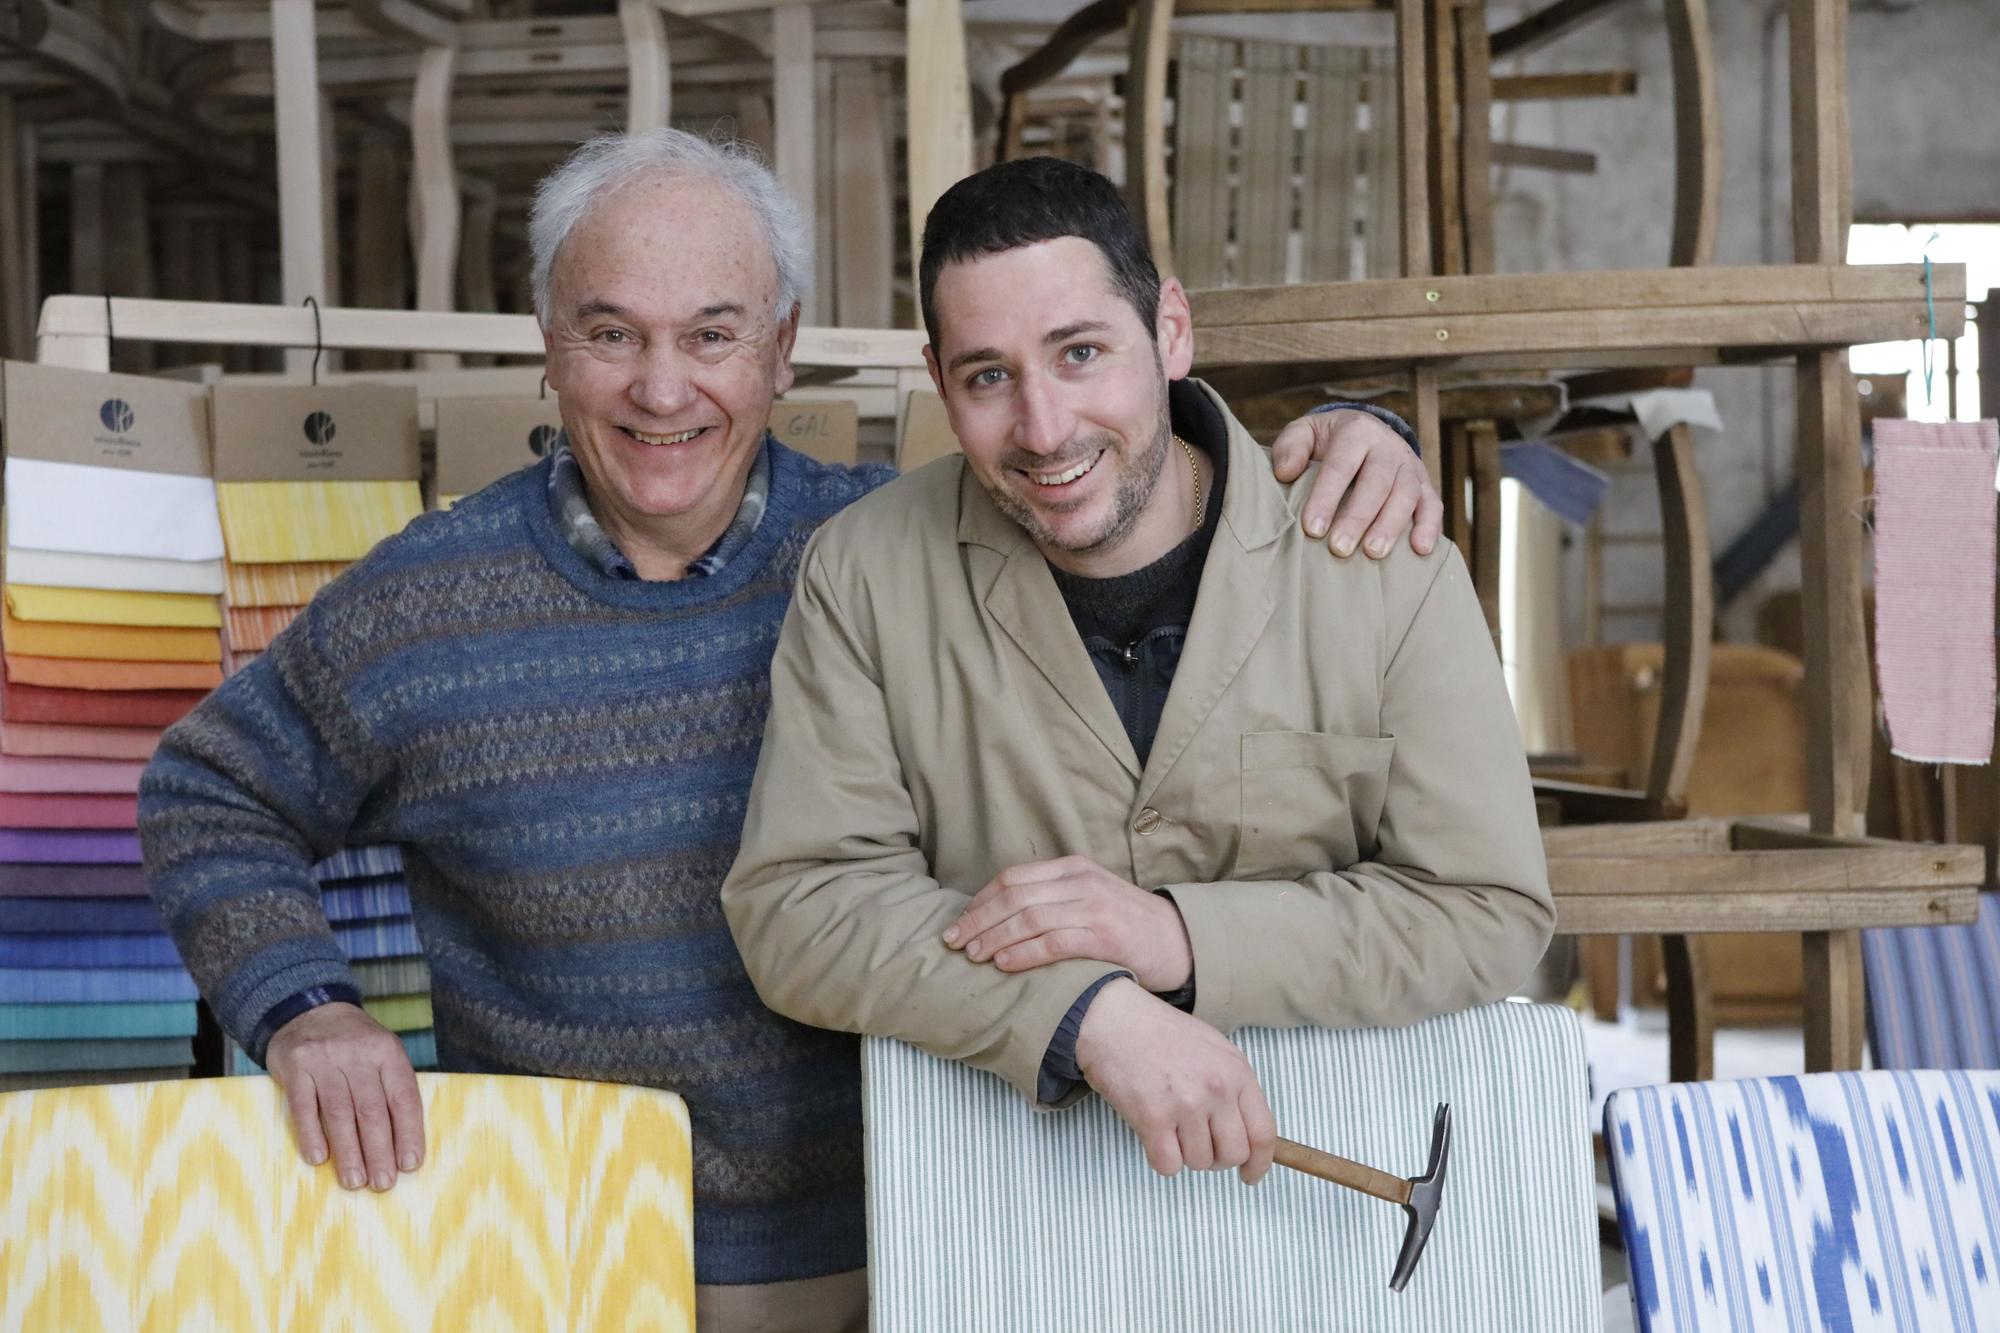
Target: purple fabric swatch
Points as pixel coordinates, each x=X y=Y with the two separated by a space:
x=69 y=846
x=41 y=880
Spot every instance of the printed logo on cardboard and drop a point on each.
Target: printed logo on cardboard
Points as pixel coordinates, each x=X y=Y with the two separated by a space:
x=285 y=432
x=116 y=414
x=320 y=429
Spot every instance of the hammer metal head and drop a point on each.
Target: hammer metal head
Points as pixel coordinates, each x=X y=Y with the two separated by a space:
x=1426 y=1193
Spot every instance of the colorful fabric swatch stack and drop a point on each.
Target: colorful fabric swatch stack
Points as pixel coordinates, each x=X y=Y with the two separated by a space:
x=310 y=481
x=368 y=903
x=110 y=631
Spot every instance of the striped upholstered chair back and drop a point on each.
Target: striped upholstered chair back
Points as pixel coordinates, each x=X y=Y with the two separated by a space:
x=985 y=1215
x=1934 y=993
x=1837 y=1202
x=543 y=1204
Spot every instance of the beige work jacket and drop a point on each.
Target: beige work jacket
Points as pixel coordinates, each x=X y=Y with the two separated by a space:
x=1337 y=798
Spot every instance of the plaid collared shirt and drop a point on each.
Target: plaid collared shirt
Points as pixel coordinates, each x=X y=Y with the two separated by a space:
x=588 y=538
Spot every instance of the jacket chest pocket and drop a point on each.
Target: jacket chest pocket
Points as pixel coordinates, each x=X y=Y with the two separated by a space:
x=1311 y=801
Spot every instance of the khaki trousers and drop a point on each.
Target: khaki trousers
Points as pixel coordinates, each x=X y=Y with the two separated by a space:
x=833 y=1304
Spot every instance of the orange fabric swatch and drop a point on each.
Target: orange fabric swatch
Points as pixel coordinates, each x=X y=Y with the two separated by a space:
x=116 y=643
x=53 y=739
x=82 y=673
x=280 y=585
x=251 y=628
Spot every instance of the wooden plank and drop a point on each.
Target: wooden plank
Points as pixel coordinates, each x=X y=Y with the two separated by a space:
x=1779 y=912
x=1483 y=454
x=793 y=89
x=1424 y=420
x=1454 y=468
x=1769 y=284
x=1689 y=628
x=434 y=195
x=1199 y=159
x=1264 y=216
x=1594 y=334
x=1697 y=134
x=1475 y=79
x=1837 y=702
x=864 y=225
x=938 y=103
x=1650 y=837
x=1690 y=1010
x=1535 y=157
x=1835 y=994
x=72 y=332
x=826 y=249
x=1829 y=871
x=1333 y=166
x=381 y=234
x=1819 y=145
x=649 y=71
x=1441 y=109
x=1546 y=25
x=1414 y=136
x=1383 y=165
x=1145 y=125
x=1565 y=87
x=301 y=172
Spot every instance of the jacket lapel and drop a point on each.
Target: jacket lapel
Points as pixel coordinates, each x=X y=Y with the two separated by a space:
x=1234 y=603
x=1024 y=602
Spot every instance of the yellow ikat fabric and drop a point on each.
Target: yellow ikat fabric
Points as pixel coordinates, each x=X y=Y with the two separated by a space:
x=283 y=522
x=542 y=1204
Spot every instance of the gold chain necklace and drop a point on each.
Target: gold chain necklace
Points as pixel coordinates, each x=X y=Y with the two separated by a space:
x=1200 y=511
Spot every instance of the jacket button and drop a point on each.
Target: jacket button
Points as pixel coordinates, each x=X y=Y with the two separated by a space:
x=1149 y=821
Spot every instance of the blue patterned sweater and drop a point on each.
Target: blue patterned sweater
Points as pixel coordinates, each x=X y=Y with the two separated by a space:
x=564 y=758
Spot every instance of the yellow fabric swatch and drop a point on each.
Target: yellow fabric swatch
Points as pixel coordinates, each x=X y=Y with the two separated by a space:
x=281 y=585
x=99 y=606
x=251 y=628
x=400 y=1013
x=277 y=522
x=109 y=643
x=544 y=1204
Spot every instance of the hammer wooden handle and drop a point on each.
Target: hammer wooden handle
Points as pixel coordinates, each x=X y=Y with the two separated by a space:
x=1341 y=1171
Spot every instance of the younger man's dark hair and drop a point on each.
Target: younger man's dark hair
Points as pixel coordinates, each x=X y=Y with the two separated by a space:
x=1033 y=199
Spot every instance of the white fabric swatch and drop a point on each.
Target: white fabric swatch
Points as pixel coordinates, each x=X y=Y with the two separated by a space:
x=124 y=573
x=73 y=507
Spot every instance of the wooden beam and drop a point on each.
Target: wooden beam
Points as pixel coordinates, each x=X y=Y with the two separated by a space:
x=301 y=170
x=1689 y=627
x=793 y=95
x=938 y=104
x=1564 y=87
x=1697 y=134
x=649 y=80
x=1546 y=25
x=1538 y=158
x=1414 y=136
x=864 y=224
x=1804 y=285
x=1647 y=838
x=72 y=332
x=1475 y=81
x=1146 y=127
x=1819 y=144
x=435 y=201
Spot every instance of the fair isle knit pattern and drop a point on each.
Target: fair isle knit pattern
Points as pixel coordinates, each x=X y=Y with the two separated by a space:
x=564 y=759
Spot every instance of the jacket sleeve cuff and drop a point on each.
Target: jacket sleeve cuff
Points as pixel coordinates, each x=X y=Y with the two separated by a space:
x=285 y=1010
x=1381 y=414
x=1060 y=1076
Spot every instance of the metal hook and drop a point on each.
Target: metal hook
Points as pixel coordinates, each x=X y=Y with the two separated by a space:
x=110 y=330
x=545 y=387
x=318 y=345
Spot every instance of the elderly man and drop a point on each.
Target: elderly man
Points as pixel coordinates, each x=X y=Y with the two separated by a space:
x=551 y=697
x=1079 y=758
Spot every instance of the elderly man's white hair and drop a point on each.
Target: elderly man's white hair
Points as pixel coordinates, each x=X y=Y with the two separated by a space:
x=608 y=163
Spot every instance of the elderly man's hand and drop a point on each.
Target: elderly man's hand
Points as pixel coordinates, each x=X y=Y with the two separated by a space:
x=1384 y=482
x=349 y=1084
x=1045 y=911
x=1184 y=1088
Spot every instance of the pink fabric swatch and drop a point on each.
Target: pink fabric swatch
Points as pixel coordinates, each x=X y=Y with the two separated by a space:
x=1934 y=550
x=55 y=739
x=19 y=773
x=40 y=810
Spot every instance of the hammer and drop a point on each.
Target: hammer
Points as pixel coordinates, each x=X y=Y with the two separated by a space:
x=1419 y=1195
